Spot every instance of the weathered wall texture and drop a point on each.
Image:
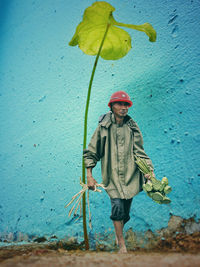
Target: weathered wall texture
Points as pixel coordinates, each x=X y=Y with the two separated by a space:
x=43 y=90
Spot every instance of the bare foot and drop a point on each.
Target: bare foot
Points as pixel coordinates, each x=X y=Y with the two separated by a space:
x=122 y=250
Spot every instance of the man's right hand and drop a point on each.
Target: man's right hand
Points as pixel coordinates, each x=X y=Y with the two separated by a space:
x=91 y=182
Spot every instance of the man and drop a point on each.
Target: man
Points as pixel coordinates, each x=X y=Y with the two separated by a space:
x=115 y=142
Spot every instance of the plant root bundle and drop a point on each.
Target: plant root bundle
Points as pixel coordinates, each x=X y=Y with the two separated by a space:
x=77 y=205
x=155 y=189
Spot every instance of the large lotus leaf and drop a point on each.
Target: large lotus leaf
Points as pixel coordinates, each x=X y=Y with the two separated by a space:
x=95 y=17
x=89 y=33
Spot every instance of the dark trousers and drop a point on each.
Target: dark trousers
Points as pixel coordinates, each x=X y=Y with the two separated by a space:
x=120 y=209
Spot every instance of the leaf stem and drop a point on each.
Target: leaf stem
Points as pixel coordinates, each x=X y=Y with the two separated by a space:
x=146 y=27
x=85 y=135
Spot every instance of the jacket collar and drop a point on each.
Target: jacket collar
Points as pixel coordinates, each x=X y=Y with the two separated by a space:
x=106 y=121
x=109 y=118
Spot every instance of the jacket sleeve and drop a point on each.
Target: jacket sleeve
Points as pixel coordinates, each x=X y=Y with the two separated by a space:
x=138 y=148
x=93 y=153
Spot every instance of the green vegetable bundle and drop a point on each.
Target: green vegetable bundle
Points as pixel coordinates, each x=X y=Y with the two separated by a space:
x=155 y=189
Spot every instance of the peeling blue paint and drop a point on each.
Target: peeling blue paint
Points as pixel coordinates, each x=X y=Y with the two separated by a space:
x=43 y=92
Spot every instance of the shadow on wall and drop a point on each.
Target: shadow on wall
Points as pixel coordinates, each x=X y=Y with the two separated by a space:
x=4 y=8
x=4 y=16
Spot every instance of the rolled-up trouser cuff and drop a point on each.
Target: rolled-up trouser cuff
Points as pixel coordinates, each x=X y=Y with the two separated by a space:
x=120 y=209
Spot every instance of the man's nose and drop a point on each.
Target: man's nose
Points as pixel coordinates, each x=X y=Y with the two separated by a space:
x=124 y=106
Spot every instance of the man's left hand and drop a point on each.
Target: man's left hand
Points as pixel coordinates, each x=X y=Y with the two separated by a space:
x=148 y=176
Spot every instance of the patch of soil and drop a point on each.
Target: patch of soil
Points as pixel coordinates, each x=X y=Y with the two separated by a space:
x=181 y=243
x=181 y=250
x=35 y=248
x=63 y=258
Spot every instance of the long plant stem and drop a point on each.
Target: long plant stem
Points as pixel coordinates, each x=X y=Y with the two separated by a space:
x=85 y=136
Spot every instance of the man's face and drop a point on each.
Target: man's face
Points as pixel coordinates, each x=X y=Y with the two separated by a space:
x=120 y=109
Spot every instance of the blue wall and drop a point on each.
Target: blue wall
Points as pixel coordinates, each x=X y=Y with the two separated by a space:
x=43 y=89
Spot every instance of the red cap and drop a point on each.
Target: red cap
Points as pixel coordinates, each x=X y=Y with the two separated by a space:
x=120 y=96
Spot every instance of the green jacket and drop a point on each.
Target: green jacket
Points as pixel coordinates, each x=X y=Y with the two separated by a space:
x=115 y=146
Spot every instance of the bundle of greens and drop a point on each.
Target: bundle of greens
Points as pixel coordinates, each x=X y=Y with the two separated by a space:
x=155 y=189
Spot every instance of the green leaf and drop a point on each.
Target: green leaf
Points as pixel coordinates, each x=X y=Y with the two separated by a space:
x=90 y=31
x=167 y=189
x=157 y=196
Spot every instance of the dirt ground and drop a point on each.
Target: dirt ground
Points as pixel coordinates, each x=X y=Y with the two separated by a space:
x=38 y=256
x=172 y=246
